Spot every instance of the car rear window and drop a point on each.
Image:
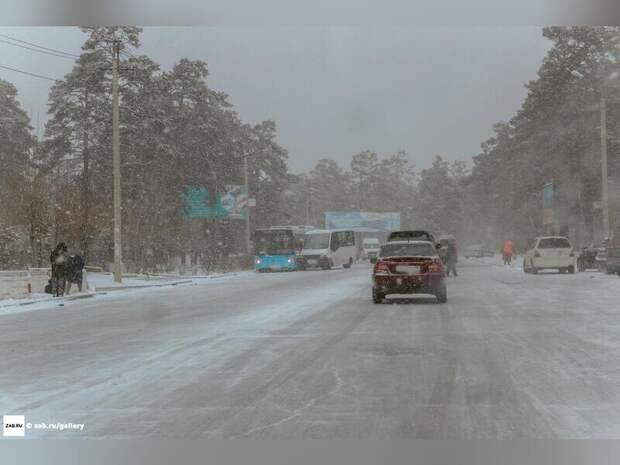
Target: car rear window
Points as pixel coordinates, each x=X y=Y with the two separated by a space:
x=554 y=243
x=404 y=235
x=407 y=250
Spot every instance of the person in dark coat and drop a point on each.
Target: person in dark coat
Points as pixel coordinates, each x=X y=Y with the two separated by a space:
x=452 y=258
x=58 y=260
x=74 y=271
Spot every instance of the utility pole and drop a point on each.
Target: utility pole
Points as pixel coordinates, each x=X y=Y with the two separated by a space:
x=309 y=205
x=604 y=186
x=248 y=242
x=116 y=162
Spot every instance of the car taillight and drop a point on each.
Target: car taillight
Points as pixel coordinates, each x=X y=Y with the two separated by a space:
x=536 y=254
x=381 y=268
x=435 y=267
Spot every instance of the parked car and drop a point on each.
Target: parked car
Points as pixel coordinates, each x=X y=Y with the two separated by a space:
x=550 y=252
x=601 y=256
x=370 y=247
x=612 y=254
x=326 y=248
x=587 y=258
x=408 y=267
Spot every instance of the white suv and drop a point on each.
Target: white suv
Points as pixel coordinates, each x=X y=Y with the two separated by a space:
x=550 y=252
x=371 y=246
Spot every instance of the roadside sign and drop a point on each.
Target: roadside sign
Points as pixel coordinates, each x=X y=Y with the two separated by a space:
x=547 y=195
x=386 y=221
x=251 y=202
x=231 y=204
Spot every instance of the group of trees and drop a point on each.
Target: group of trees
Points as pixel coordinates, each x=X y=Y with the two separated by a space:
x=176 y=132
x=428 y=199
x=554 y=137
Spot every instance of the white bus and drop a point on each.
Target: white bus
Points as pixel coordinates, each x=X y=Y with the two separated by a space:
x=327 y=248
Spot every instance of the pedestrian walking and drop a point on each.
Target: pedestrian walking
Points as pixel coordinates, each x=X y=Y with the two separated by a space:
x=508 y=251
x=452 y=258
x=58 y=259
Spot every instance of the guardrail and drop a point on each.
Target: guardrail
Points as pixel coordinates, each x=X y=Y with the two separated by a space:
x=19 y=283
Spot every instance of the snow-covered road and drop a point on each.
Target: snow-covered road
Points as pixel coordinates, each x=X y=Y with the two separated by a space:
x=307 y=355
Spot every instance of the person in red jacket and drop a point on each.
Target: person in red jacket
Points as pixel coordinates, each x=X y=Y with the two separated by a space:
x=508 y=251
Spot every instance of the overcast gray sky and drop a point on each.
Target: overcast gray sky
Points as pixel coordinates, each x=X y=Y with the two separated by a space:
x=334 y=91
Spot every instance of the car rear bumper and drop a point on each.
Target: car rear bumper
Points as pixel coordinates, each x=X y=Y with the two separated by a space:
x=409 y=284
x=553 y=262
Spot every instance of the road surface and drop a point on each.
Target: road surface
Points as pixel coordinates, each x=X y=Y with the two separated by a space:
x=307 y=355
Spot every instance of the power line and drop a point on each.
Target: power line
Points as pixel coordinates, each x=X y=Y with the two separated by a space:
x=40 y=76
x=37 y=50
x=40 y=46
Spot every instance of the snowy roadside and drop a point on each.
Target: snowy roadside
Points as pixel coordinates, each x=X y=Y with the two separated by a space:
x=103 y=283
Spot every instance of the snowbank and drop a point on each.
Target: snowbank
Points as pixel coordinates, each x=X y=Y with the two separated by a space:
x=98 y=284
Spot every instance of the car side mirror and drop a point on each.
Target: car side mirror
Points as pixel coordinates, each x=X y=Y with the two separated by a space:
x=373 y=260
x=438 y=246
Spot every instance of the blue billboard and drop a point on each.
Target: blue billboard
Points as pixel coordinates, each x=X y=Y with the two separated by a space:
x=231 y=204
x=385 y=221
x=548 y=194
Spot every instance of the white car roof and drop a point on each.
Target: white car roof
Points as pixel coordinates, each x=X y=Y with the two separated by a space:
x=409 y=242
x=326 y=231
x=552 y=237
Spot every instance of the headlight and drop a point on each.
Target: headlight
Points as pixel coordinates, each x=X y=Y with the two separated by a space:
x=290 y=260
x=258 y=261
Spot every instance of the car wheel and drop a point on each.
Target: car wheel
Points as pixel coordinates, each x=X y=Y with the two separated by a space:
x=533 y=269
x=562 y=270
x=348 y=265
x=571 y=269
x=442 y=295
x=377 y=297
x=525 y=268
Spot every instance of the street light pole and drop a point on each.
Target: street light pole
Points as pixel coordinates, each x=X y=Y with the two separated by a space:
x=116 y=162
x=604 y=181
x=248 y=242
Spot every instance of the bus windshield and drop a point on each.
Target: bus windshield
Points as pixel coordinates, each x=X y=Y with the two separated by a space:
x=275 y=242
x=316 y=241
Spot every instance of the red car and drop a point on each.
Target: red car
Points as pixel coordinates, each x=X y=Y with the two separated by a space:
x=408 y=267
